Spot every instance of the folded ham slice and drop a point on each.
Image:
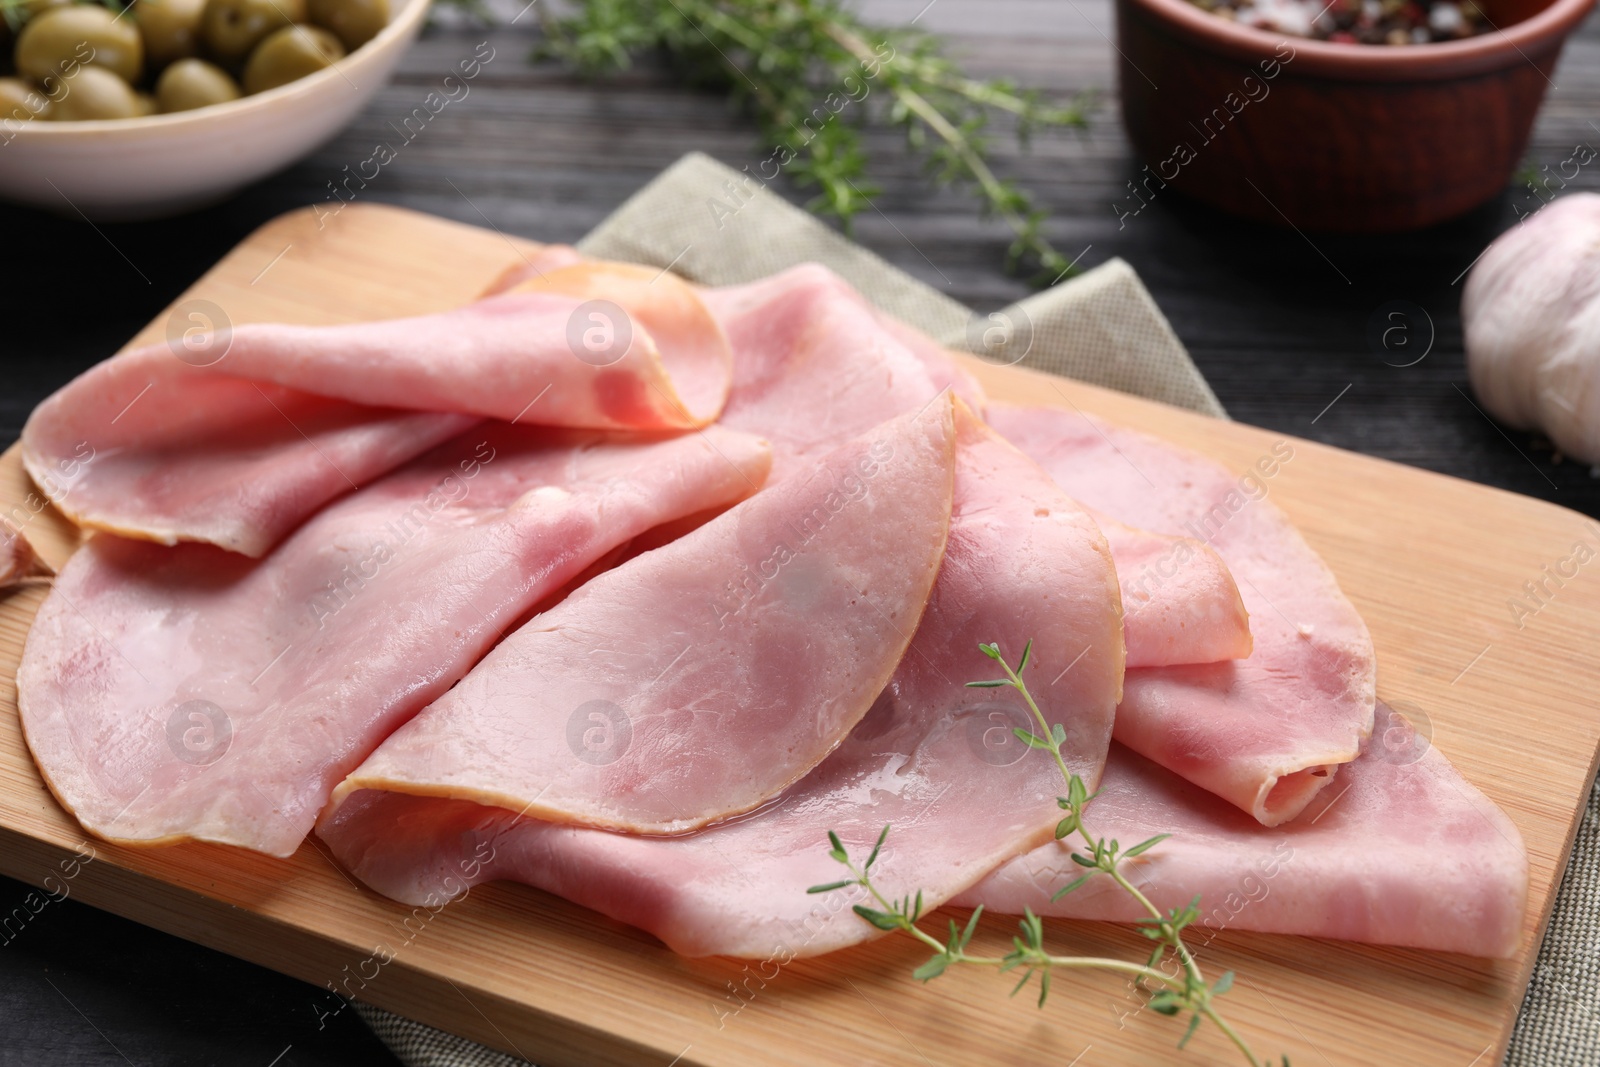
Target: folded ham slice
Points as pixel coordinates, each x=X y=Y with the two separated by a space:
x=237 y=440
x=1404 y=852
x=700 y=679
x=933 y=758
x=187 y=692
x=1266 y=732
x=1179 y=599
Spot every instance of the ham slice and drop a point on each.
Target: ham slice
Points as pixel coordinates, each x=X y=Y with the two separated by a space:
x=1267 y=732
x=735 y=301
x=933 y=758
x=235 y=463
x=702 y=678
x=814 y=364
x=937 y=362
x=1404 y=852
x=187 y=692
x=235 y=442
x=1179 y=599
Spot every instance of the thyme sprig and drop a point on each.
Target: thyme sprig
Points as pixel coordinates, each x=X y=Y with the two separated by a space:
x=797 y=65
x=1186 y=990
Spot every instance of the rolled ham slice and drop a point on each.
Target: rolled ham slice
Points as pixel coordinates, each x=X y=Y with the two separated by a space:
x=1404 y=852
x=1267 y=732
x=933 y=758
x=702 y=678
x=187 y=692
x=234 y=441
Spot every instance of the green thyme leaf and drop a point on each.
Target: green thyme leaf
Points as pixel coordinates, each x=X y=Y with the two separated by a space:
x=1184 y=989
x=881 y=919
x=972 y=924
x=1070 y=886
x=1194 y=1024
x=1028 y=738
x=876 y=848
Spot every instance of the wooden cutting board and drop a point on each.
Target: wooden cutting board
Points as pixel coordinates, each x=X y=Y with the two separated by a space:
x=1431 y=562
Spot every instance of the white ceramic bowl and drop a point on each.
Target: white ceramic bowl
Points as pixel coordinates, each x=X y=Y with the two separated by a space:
x=163 y=164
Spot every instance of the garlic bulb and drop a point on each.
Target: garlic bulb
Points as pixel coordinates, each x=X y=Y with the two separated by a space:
x=1531 y=315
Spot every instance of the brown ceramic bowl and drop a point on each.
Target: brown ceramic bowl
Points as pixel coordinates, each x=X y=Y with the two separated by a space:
x=1333 y=137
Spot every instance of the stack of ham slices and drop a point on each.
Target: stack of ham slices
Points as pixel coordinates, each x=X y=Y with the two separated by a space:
x=633 y=591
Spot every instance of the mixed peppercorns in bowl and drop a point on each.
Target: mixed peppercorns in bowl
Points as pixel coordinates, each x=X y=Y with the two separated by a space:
x=1390 y=22
x=1263 y=109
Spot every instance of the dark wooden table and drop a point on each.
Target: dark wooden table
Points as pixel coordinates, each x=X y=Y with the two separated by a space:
x=1277 y=323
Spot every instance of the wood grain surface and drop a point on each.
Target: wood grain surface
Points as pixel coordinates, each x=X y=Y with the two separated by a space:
x=1431 y=562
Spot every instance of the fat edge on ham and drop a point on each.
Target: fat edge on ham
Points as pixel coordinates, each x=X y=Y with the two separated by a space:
x=731 y=660
x=237 y=437
x=933 y=758
x=186 y=692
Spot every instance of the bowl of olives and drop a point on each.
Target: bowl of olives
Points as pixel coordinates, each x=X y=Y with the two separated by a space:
x=127 y=109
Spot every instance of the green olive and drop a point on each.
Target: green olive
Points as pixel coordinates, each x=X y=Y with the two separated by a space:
x=355 y=22
x=27 y=9
x=290 y=54
x=171 y=28
x=20 y=101
x=21 y=12
x=63 y=38
x=192 y=83
x=94 y=93
x=233 y=28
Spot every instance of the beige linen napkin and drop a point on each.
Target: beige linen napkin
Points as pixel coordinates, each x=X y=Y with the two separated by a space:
x=716 y=226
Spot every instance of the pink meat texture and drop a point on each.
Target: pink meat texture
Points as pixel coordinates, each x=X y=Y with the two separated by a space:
x=815 y=364
x=1267 y=732
x=937 y=362
x=1179 y=601
x=235 y=440
x=187 y=692
x=1404 y=852
x=702 y=678
x=933 y=758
